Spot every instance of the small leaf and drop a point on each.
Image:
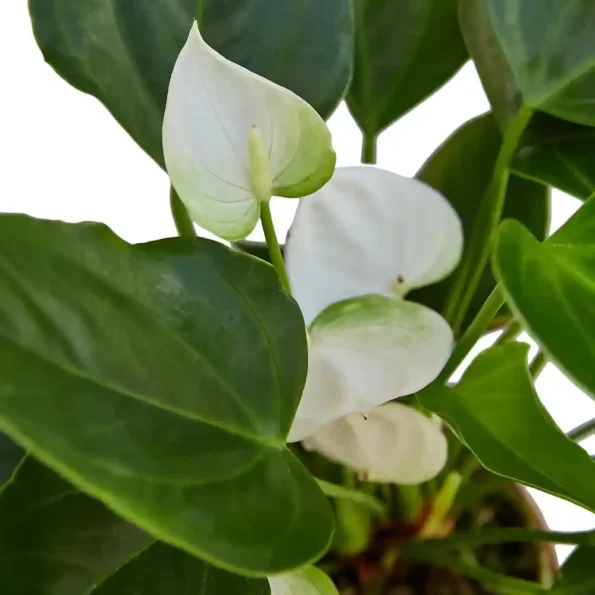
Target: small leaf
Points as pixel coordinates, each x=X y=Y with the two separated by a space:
x=392 y=443
x=123 y=51
x=405 y=50
x=307 y=581
x=461 y=169
x=116 y=362
x=369 y=231
x=496 y=413
x=232 y=138
x=539 y=54
x=55 y=540
x=554 y=281
x=365 y=352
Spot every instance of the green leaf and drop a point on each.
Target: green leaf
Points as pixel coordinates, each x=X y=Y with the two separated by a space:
x=357 y=497
x=496 y=413
x=577 y=576
x=11 y=456
x=551 y=288
x=123 y=51
x=306 y=581
x=405 y=50
x=162 y=379
x=55 y=540
x=163 y=570
x=461 y=169
x=560 y=154
x=539 y=54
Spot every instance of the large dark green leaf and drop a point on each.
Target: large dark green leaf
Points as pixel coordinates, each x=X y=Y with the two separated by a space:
x=578 y=574
x=55 y=540
x=163 y=570
x=123 y=51
x=162 y=379
x=496 y=413
x=558 y=153
x=539 y=53
x=551 y=288
x=462 y=170
x=405 y=50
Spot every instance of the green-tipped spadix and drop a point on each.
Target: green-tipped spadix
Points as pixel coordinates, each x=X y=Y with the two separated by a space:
x=231 y=139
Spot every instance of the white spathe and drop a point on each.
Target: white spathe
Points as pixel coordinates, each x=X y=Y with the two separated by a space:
x=393 y=443
x=367 y=231
x=212 y=107
x=306 y=581
x=355 y=249
x=367 y=351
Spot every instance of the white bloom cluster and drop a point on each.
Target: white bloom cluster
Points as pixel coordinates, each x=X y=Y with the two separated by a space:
x=360 y=242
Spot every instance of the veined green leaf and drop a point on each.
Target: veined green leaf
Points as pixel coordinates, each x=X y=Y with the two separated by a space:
x=539 y=54
x=405 y=50
x=577 y=576
x=551 y=288
x=123 y=51
x=162 y=379
x=496 y=413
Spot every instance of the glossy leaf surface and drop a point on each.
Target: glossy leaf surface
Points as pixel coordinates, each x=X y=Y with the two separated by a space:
x=539 y=54
x=551 y=288
x=496 y=413
x=120 y=377
x=123 y=51
x=405 y=50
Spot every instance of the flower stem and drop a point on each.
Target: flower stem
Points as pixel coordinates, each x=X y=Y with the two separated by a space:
x=510 y=334
x=537 y=365
x=182 y=220
x=485 y=227
x=369 y=148
x=411 y=501
x=442 y=505
x=473 y=333
x=274 y=249
x=583 y=431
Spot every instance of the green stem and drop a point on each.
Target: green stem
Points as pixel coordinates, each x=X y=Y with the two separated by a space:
x=510 y=334
x=369 y=148
x=583 y=431
x=473 y=333
x=492 y=581
x=537 y=365
x=339 y=492
x=182 y=220
x=485 y=226
x=200 y=11
x=273 y=244
x=411 y=501
x=514 y=535
x=442 y=505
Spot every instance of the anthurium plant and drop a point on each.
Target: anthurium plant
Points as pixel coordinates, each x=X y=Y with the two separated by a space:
x=190 y=416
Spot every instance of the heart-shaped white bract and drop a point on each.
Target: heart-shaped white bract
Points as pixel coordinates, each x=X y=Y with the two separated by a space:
x=356 y=247
x=393 y=443
x=306 y=581
x=231 y=139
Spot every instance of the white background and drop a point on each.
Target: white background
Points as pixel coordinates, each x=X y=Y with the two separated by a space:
x=62 y=156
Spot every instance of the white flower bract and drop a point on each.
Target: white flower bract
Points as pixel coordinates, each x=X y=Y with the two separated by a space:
x=213 y=108
x=393 y=443
x=355 y=249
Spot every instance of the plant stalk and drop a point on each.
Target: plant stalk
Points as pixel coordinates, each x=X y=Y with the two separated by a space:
x=583 y=431
x=485 y=228
x=182 y=220
x=369 y=147
x=273 y=244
